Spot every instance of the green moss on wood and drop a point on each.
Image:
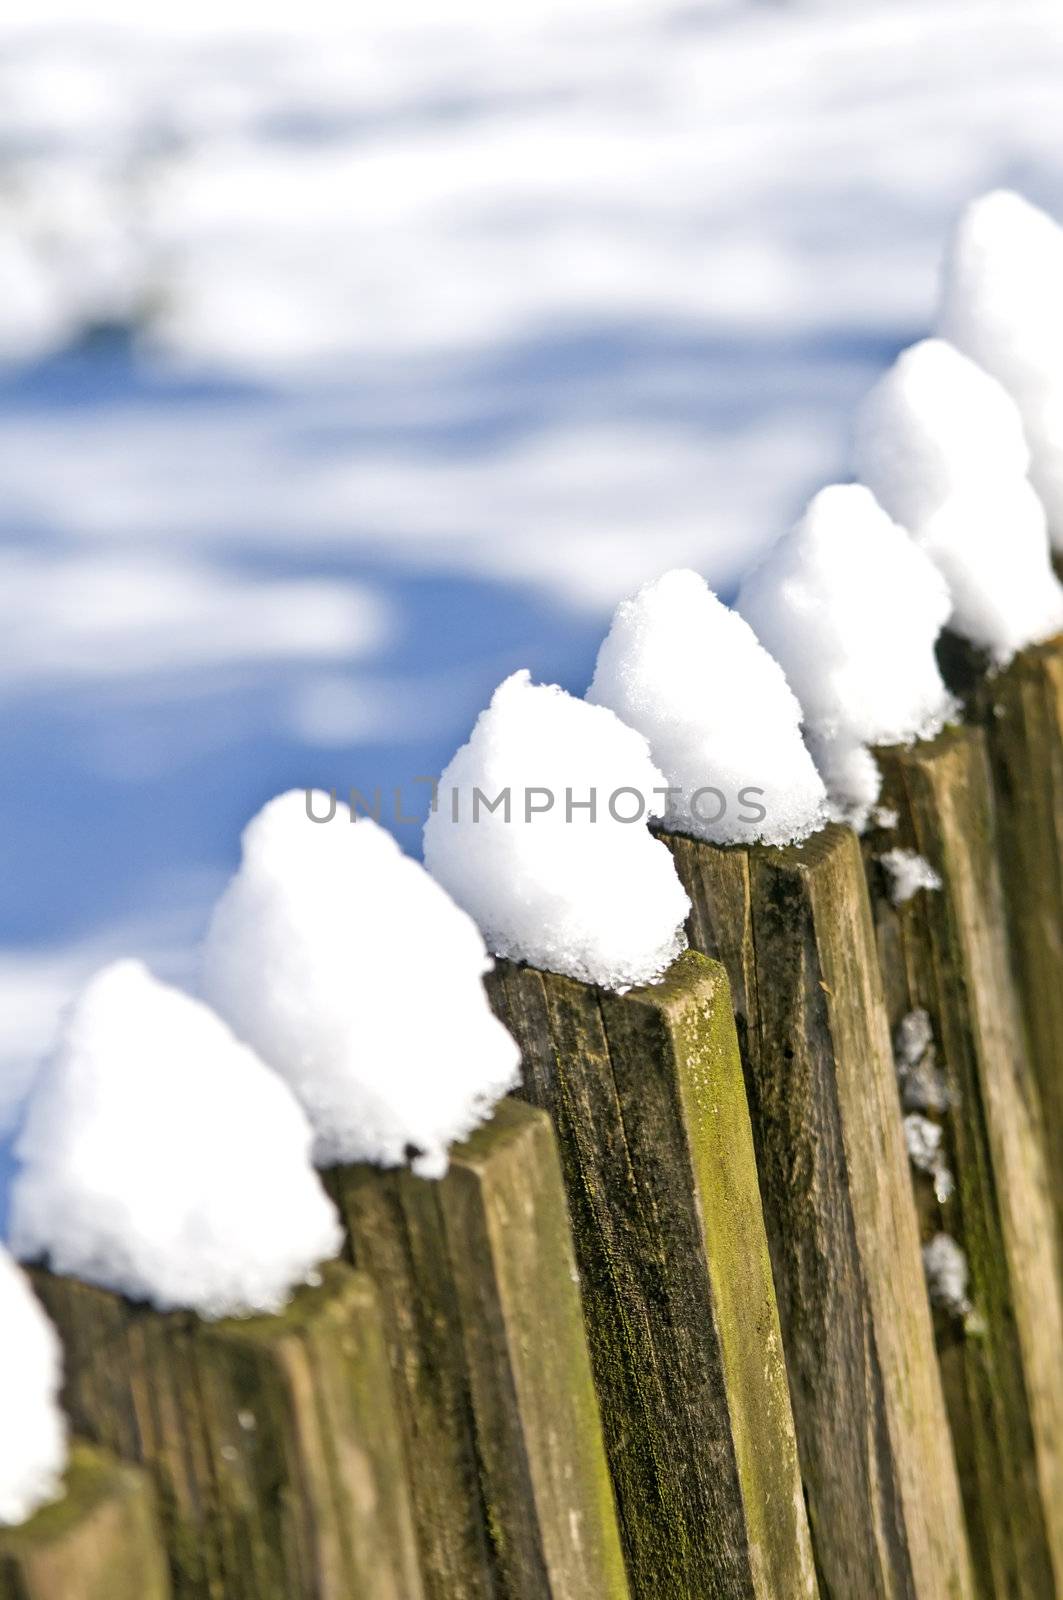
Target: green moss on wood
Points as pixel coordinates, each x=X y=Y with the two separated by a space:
x=1021 y=711
x=793 y=928
x=272 y=1441
x=396 y=1233
x=538 y=1425
x=99 y=1541
x=648 y=1101
x=488 y=1349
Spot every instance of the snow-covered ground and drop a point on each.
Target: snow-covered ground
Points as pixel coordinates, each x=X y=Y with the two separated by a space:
x=350 y=365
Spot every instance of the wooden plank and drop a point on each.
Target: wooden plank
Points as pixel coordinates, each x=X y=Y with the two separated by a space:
x=945 y=953
x=1021 y=710
x=273 y=1441
x=538 y=1423
x=305 y=1400
x=875 y=1452
x=646 y=1092
x=396 y=1232
x=507 y=1466
x=99 y=1542
x=130 y=1386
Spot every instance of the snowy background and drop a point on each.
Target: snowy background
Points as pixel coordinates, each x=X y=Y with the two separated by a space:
x=348 y=364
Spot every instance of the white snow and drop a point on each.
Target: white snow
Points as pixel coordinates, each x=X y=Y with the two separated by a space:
x=922 y=1083
x=358 y=980
x=160 y=1158
x=923 y=1139
x=36 y=986
x=456 y=205
x=941 y=445
x=596 y=898
x=1001 y=306
x=909 y=872
x=914 y=1038
x=105 y=619
x=851 y=608
x=597 y=297
x=722 y=723
x=33 y=1433
x=947 y=1274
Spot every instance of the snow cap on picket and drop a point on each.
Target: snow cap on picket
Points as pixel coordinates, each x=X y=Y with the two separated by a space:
x=941 y=446
x=722 y=723
x=1001 y=306
x=33 y=1432
x=357 y=978
x=851 y=608
x=161 y=1158
x=587 y=893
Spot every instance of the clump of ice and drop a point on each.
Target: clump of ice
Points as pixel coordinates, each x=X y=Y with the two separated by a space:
x=922 y=1083
x=947 y=1274
x=160 y=1158
x=915 y=1037
x=1001 y=306
x=909 y=872
x=924 y=1141
x=722 y=723
x=850 y=607
x=33 y=1432
x=547 y=880
x=358 y=980
x=941 y=445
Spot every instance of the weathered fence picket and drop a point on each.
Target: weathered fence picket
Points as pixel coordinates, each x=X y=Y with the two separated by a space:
x=100 y=1541
x=398 y=1235
x=273 y=1441
x=1021 y=710
x=646 y=1092
x=477 y=1276
x=944 y=955
x=793 y=926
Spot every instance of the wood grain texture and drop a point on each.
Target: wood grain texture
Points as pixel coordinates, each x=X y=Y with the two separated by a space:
x=1021 y=711
x=646 y=1092
x=511 y=1490
x=875 y=1452
x=273 y=1441
x=396 y=1233
x=549 y=1494
x=946 y=951
x=100 y=1541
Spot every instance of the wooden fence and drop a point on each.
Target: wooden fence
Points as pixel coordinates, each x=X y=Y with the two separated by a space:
x=664 y=1330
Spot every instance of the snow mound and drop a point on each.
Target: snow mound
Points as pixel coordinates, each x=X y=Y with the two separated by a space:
x=33 y=1436
x=940 y=444
x=850 y=607
x=358 y=980
x=1001 y=305
x=160 y=1158
x=942 y=447
x=585 y=894
x=720 y=718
